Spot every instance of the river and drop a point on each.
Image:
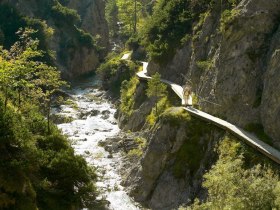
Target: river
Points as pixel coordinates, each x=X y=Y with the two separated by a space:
x=94 y=121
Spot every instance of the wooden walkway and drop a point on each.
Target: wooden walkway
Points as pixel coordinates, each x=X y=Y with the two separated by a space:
x=248 y=138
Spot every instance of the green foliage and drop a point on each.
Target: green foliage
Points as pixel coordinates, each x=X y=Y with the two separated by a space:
x=38 y=168
x=86 y=39
x=126 y=15
x=160 y=107
x=227 y=17
x=11 y=21
x=170 y=22
x=205 y=65
x=175 y=116
x=156 y=89
x=114 y=71
x=28 y=77
x=141 y=145
x=67 y=176
x=62 y=15
x=191 y=153
x=9 y=28
x=231 y=186
x=111 y=14
x=127 y=95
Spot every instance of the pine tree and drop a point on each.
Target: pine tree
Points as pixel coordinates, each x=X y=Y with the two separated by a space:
x=156 y=89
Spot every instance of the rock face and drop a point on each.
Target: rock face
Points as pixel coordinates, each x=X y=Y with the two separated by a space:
x=92 y=13
x=73 y=56
x=240 y=64
x=169 y=174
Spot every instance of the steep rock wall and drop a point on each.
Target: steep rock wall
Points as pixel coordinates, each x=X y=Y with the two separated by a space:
x=179 y=151
x=240 y=67
x=73 y=57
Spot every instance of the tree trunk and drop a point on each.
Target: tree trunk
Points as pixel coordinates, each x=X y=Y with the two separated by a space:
x=19 y=99
x=135 y=16
x=48 y=117
x=6 y=98
x=156 y=100
x=49 y=113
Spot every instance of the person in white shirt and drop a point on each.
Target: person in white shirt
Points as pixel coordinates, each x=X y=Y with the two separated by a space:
x=187 y=97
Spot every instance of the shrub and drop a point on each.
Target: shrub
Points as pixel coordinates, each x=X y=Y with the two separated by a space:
x=85 y=39
x=114 y=71
x=231 y=186
x=62 y=15
x=169 y=24
x=227 y=18
x=127 y=95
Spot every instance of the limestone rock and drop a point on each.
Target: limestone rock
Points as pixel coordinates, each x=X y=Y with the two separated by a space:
x=72 y=58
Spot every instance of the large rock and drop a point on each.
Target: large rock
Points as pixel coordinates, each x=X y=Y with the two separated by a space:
x=166 y=177
x=270 y=104
x=92 y=13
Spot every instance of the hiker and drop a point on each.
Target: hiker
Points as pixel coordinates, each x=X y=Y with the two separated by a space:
x=187 y=97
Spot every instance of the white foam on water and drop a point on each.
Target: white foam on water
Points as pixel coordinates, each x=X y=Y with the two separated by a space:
x=85 y=135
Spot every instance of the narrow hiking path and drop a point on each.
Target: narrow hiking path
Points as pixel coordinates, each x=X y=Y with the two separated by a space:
x=240 y=133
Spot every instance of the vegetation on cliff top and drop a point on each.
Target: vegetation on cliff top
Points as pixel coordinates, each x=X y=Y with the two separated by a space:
x=114 y=71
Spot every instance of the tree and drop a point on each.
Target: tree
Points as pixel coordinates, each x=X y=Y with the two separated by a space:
x=129 y=12
x=24 y=68
x=5 y=75
x=21 y=71
x=17 y=66
x=111 y=14
x=231 y=185
x=156 y=89
x=48 y=82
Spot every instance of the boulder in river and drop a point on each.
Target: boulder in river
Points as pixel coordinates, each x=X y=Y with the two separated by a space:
x=94 y=112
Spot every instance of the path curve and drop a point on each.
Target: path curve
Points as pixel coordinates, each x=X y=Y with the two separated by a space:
x=240 y=133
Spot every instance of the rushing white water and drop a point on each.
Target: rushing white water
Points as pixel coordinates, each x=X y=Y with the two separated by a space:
x=85 y=134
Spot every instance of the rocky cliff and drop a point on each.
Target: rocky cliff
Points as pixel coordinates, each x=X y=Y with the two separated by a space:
x=179 y=150
x=231 y=60
x=80 y=39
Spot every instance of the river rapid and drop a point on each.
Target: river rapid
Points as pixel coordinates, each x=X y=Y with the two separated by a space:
x=93 y=122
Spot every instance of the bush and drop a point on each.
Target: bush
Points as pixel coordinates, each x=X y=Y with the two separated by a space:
x=128 y=89
x=62 y=15
x=114 y=71
x=231 y=186
x=168 y=25
x=162 y=105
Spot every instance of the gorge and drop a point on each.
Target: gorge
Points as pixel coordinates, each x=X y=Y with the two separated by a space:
x=117 y=137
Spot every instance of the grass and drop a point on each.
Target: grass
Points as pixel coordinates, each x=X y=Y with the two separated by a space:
x=227 y=18
x=175 y=116
x=141 y=145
